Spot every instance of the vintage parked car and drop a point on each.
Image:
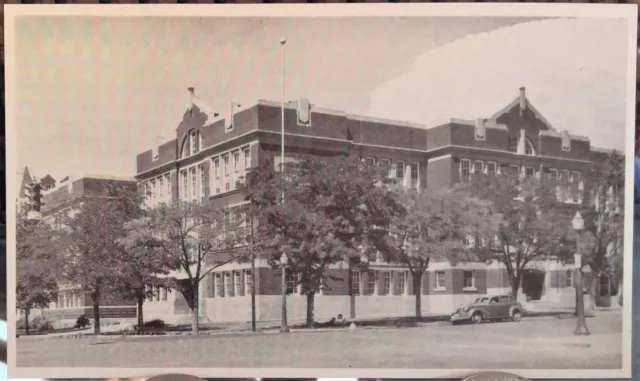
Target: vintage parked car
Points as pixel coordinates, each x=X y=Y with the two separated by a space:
x=486 y=308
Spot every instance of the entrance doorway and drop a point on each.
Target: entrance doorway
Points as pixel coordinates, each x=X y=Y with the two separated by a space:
x=533 y=283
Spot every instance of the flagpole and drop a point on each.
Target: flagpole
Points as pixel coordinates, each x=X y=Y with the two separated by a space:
x=284 y=326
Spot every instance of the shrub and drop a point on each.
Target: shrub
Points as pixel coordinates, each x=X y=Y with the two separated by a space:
x=41 y=324
x=155 y=323
x=82 y=321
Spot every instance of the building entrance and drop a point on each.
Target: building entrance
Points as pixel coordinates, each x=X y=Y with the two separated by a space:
x=533 y=283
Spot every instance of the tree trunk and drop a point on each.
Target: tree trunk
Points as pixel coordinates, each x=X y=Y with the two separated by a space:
x=593 y=290
x=195 y=327
x=26 y=321
x=515 y=285
x=140 y=314
x=417 y=282
x=96 y=312
x=311 y=309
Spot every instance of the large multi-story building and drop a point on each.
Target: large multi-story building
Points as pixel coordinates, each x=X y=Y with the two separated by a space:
x=209 y=156
x=65 y=197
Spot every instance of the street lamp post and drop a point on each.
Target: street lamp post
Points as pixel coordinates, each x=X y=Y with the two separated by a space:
x=284 y=260
x=581 y=327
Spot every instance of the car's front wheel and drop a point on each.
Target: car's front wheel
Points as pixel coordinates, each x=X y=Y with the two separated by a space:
x=476 y=318
x=516 y=315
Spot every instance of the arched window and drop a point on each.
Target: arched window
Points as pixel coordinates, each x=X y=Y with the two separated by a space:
x=192 y=144
x=528 y=148
x=569 y=278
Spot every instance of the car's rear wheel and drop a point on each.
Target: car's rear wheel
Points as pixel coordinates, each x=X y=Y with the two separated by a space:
x=516 y=315
x=476 y=318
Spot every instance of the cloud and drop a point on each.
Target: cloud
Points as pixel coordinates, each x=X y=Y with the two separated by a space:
x=575 y=71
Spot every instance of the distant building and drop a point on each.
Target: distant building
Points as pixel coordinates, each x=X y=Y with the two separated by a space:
x=208 y=157
x=72 y=301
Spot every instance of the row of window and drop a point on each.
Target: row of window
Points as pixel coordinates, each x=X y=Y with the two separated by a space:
x=469 y=167
x=158 y=189
x=397 y=169
x=229 y=169
x=396 y=282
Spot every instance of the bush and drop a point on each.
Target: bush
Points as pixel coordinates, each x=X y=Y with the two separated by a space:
x=82 y=322
x=41 y=324
x=155 y=323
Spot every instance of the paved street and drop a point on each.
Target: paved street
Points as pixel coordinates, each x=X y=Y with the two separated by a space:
x=532 y=343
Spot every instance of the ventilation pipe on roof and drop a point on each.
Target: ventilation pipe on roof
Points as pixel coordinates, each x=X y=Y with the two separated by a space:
x=523 y=100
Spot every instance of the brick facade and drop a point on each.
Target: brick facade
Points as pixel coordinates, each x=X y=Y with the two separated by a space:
x=518 y=135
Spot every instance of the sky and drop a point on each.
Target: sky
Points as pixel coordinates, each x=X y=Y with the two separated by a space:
x=92 y=93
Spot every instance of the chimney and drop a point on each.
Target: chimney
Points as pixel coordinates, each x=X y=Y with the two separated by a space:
x=523 y=100
x=480 y=129
x=192 y=94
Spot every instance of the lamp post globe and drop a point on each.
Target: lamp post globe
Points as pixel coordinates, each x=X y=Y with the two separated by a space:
x=283 y=41
x=578 y=222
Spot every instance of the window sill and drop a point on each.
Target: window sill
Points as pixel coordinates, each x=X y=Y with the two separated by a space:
x=469 y=289
x=440 y=289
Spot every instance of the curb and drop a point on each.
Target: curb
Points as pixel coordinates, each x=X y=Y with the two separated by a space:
x=275 y=330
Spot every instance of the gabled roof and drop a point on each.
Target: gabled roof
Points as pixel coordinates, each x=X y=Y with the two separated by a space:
x=516 y=103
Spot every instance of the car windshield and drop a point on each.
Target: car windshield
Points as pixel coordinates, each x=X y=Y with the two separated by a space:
x=481 y=300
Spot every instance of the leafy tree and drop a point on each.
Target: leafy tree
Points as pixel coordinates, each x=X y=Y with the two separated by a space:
x=191 y=238
x=604 y=221
x=429 y=226
x=36 y=284
x=331 y=209
x=91 y=253
x=515 y=220
x=142 y=267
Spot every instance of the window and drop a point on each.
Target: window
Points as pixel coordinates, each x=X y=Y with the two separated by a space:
x=515 y=169
x=528 y=148
x=553 y=174
x=402 y=282
x=370 y=161
x=219 y=285
x=477 y=166
x=161 y=186
x=468 y=279
x=216 y=175
x=202 y=182
x=386 y=163
x=414 y=171
x=492 y=168
x=238 y=282
x=466 y=242
x=236 y=161
x=292 y=284
x=400 y=169
x=564 y=175
x=440 y=280
x=513 y=144
x=386 y=283
x=164 y=293
x=226 y=170
x=355 y=282
x=569 y=278
x=247 y=282
x=185 y=183
x=195 y=142
x=157 y=294
x=225 y=161
x=465 y=168
x=575 y=176
x=228 y=284
x=371 y=283
x=529 y=172
x=153 y=189
x=194 y=182
x=247 y=157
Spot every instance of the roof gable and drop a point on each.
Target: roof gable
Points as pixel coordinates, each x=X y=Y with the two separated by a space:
x=516 y=103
